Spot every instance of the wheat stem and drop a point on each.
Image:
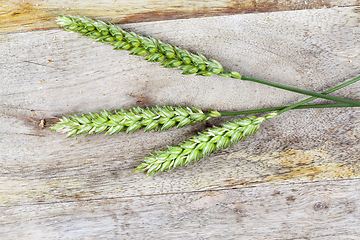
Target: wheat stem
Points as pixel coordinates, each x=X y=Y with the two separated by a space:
x=169 y=56
x=315 y=95
x=347 y=83
x=261 y=110
x=298 y=105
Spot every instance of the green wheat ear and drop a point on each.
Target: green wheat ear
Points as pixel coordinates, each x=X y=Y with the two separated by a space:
x=200 y=146
x=154 y=118
x=152 y=49
x=169 y=56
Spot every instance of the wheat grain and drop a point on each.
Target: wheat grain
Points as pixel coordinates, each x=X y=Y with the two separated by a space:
x=201 y=145
x=157 y=118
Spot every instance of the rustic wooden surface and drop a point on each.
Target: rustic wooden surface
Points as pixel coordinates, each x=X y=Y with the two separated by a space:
x=19 y=15
x=297 y=178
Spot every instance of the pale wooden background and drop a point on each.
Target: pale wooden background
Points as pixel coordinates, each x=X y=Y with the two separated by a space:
x=297 y=178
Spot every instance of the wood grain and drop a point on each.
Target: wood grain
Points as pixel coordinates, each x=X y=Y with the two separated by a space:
x=82 y=76
x=18 y=15
x=52 y=187
x=320 y=211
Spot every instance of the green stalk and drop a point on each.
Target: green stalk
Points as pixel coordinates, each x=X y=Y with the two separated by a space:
x=298 y=105
x=315 y=95
x=313 y=98
x=261 y=110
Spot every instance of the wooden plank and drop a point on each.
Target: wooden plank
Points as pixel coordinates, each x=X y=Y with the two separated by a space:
x=320 y=211
x=17 y=15
x=314 y=50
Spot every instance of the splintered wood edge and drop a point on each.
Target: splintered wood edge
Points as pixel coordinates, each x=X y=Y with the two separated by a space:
x=37 y=15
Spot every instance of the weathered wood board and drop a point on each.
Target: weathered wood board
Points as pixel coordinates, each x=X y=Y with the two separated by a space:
x=325 y=210
x=17 y=15
x=297 y=178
